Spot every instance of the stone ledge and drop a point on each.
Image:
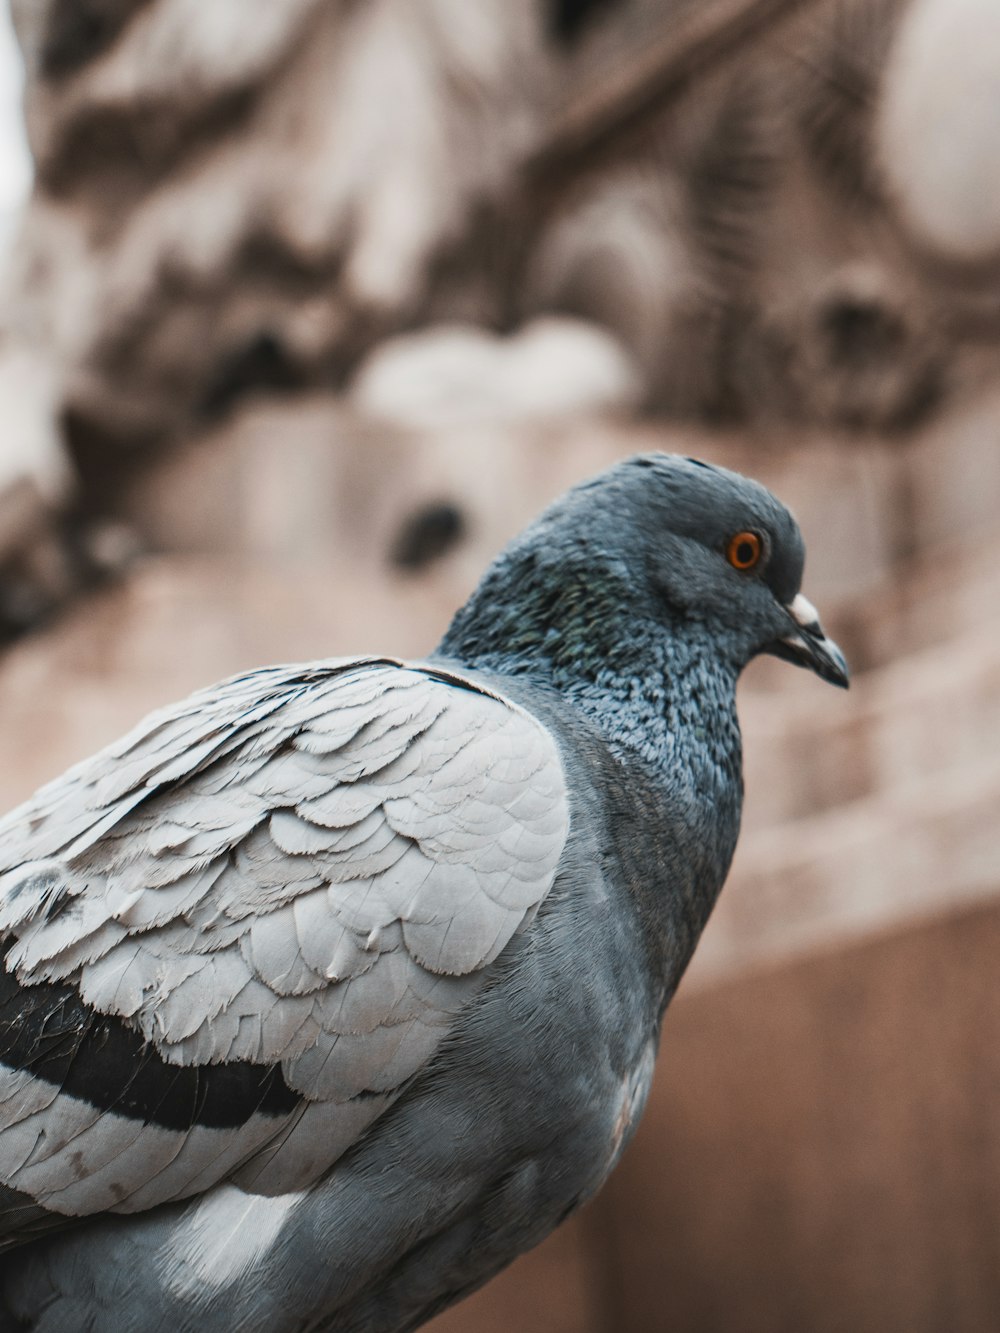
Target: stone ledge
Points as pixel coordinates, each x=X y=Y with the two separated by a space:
x=925 y=849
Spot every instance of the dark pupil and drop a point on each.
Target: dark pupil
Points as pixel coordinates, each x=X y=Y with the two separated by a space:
x=744 y=553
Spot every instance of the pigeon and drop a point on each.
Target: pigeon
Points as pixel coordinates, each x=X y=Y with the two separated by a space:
x=331 y=989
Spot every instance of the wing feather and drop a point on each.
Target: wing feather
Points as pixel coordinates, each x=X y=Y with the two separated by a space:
x=305 y=869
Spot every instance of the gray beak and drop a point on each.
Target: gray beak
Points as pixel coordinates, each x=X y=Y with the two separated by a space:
x=808 y=646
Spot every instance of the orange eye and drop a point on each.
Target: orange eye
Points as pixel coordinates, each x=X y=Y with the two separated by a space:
x=744 y=550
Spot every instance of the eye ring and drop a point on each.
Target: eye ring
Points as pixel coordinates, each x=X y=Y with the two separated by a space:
x=745 y=550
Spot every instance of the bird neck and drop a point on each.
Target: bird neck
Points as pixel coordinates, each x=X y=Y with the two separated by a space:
x=661 y=688
x=660 y=691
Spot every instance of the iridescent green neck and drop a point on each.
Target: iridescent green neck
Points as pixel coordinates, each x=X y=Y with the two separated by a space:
x=569 y=627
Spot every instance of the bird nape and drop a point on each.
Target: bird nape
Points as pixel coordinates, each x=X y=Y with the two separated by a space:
x=294 y=1031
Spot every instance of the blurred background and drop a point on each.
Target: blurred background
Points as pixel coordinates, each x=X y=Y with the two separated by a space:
x=308 y=306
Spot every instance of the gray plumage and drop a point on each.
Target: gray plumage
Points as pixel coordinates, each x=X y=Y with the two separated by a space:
x=330 y=990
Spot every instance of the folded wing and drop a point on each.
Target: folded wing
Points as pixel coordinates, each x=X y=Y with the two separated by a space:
x=233 y=937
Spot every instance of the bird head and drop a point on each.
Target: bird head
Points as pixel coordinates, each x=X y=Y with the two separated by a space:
x=721 y=549
x=655 y=539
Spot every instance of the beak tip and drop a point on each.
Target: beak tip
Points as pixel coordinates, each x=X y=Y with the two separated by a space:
x=808 y=646
x=833 y=667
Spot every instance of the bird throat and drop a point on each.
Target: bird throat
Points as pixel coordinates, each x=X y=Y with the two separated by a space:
x=656 y=683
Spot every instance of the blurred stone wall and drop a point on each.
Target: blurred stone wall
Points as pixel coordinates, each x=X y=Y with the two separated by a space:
x=313 y=306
